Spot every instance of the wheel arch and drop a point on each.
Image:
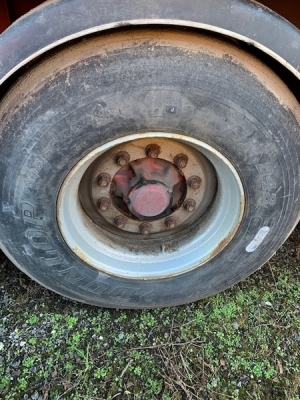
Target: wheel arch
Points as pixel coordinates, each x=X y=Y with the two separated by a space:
x=247 y=21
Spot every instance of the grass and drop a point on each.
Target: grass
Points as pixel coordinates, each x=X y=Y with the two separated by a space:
x=240 y=344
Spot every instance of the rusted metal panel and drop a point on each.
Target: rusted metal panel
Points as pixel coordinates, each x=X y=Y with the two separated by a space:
x=17 y=8
x=289 y=9
x=4 y=16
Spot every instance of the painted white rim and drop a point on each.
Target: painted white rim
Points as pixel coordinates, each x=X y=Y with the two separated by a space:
x=109 y=255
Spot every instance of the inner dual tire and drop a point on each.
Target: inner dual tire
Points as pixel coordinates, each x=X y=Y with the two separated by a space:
x=64 y=126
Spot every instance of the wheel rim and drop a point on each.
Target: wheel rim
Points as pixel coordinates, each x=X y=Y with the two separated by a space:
x=174 y=237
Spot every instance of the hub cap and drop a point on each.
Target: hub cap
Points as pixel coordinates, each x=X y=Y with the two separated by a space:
x=149 y=187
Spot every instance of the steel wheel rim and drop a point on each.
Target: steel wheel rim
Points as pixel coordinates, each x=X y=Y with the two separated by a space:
x=108 y=253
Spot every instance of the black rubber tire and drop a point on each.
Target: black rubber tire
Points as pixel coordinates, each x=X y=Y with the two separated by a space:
x=93 y=92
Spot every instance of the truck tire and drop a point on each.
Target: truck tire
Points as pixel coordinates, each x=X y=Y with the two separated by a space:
x=147 y=168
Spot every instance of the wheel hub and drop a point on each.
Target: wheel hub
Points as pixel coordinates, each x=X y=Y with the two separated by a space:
x=148 y=181
x=149 y=199
x=148 y=187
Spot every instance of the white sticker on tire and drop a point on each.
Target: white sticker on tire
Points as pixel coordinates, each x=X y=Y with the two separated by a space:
x=258 y=239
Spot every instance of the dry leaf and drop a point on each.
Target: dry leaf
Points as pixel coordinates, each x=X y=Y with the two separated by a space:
x=280 y=367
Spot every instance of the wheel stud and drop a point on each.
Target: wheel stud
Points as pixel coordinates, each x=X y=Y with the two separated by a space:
x=145 y=228
x=103 y=179
x=170 y=222
x=152 y=150
x=104 y=203
x=120 y=221
x=189 y=205
x=194 y=182
x=122 y=158
x=181 y=160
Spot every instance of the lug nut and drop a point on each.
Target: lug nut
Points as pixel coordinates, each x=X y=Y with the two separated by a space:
x=120 y=221
x=170 y=222
x=122 y=158
x=194 y=182
x=104 y=203
x=145 y=228
x=181 y=160
x=189 y=205
x=103 y=179
x=152 y=150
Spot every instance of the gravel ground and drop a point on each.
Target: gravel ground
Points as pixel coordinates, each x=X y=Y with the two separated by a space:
x=241 y=344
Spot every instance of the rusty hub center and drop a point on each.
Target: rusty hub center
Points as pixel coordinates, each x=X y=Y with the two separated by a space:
x=148 y=188
x=149 y=199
